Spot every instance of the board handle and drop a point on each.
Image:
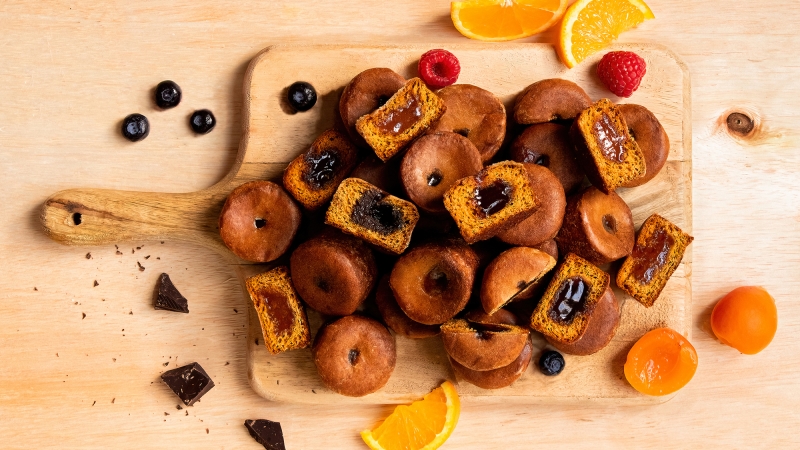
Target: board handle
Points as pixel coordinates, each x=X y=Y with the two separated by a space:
x=102 y=216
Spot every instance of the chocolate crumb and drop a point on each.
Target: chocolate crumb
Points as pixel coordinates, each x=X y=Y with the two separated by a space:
x=113 y=399
x=133 y=251
x=141 y=267
x=236 y=310
x=162 y=242
x=119 y=252
x=34 y=288
x=256 y=341
x=116 y=246
x=147 y=257
x=158 y=257
x=94 y=402
x=138 y=248
x=226 y=362
x=165 y=364
x=313 y=391
x=187 y=412
x=166 y=413
x=96 y=283
x=130 y=313
x=114 y=359
x=206 y=430
x=89 y=255
x=179 y=407
x=278 y=382
x=84 y=315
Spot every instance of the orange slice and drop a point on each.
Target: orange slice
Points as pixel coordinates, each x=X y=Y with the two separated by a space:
x=424 y=424
x=590 y=25
x=504 y=20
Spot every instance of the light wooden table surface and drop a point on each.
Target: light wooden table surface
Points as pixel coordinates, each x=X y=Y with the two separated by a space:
x=80 y=365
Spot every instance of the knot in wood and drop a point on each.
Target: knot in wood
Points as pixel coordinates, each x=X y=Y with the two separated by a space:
x=740 y=124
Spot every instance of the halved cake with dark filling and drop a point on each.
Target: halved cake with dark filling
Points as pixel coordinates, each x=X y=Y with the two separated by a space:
x=363 y=210
x=282 y=316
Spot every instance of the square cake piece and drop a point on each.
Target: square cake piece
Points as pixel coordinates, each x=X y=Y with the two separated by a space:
x=368 y=213
x=283 y=318
x=404 y=117
x=563 y=313
x=605 y=148
x=497 y=198
x=659 y=250
x=313 y=176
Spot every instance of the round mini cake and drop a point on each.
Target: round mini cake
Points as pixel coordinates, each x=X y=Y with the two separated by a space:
x=549 y=145
x=474 y=113
x=259 y=221
x=364 y=94
x=433 y=163
x=395 y=318
x=433 y=282
x=550 y=99
x=333 y=273
x=601 y=329
x=354 y=355
x=651 y=137
x=496 y=378
x=545 y=222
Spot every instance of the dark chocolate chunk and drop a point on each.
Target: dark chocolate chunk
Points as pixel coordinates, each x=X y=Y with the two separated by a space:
x=189 y=382
x=167 y=296
x=267 y=433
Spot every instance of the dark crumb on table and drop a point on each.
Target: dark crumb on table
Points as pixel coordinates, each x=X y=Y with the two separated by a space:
x=236 y=310
x=256 y=341
x=34 y=288
x=119 y=252
x=158 y=257
x=113 y=399
x=133 y=251
x=96 y=283
x=166 y=413
x=114 y=359
x=84 y=315
x=179 y=407
x=94 y=402
x=130 y=313
x=206 y=430
x=56 y=354
x=226 y=362
x=162 y=242
x=278 y=382
x=187 y=412
x=165 y=364
x=89 y=255
x=138 y=248
x=141 y=267
x=147 y=257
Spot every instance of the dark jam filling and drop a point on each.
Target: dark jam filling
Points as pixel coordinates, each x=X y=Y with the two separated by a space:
x=435 y=177
x=401 y=118
x=321 y=169
x=650 y=258
x=492 y=198
x=609 y=139
x=279 y=310
x=570 y=300
x=373 y=213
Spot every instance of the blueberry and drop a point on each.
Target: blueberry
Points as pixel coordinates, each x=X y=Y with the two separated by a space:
x=302 y=96
x=202 y=121
x=551 y=363
x=135 y=127
x=168 y=94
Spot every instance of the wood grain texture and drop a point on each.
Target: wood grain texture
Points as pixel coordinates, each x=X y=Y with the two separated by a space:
x=72 y=70
x=273 y=136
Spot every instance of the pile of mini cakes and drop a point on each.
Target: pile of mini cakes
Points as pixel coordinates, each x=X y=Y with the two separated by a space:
x=427 y=219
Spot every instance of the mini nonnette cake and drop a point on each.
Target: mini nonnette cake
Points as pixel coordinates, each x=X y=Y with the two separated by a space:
x=605 y=148
x=363 y=210
x=282 y=316
x=404 y=117
x=565 y=308
x=497 y=198
x=312 y=177
x=658 y=251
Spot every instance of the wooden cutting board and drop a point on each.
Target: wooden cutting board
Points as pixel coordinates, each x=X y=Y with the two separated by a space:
x=273 y=136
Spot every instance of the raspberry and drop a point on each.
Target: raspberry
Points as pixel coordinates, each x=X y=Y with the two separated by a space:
x=438 y=68
x=621 y=72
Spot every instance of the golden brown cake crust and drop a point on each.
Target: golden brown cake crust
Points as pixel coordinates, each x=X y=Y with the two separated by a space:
x=549 y=145
x=483 y=346
x=403 y=118
x=545 y=222
x=474 y=113
x=363 y=95
x=631 y=282
x=354 y=355
x=394 y=317
x=548 y=100
x=314 y=188
x=600 y=330
x=651 y=137
x=514 y=273
x=333 y=273
x=596 y=282
x=263 y=201
x=497 y=378
x=606 y=152
x=475 y=224
x=283 y=320
x=357 y=198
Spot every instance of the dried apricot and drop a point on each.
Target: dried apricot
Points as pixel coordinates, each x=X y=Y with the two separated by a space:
x=746 y=319
x=660 y=362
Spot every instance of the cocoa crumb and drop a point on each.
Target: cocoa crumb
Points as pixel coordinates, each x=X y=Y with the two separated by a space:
x=130 y=313
x=56 y=354
x=206 y=430
x=166 y=413
x=114 y=359
x=158 y=257
x=147 y=257
x=119 y=252
x=34 y=288
x=165 y=364
x=179 y=407
x=313 y=391
x=226 y=362
x=84 y=315
x=96 y=283
x=94 y=402
x=112 y=400
x=141 y=267
x=236 y=310
x=89 y=255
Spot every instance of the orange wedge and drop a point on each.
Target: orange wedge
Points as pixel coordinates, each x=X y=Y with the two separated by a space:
x=504 y=20
x=424 y=424
x=590 y=25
